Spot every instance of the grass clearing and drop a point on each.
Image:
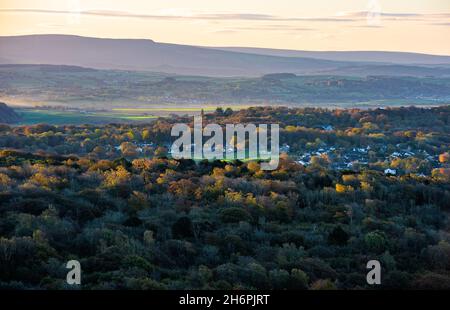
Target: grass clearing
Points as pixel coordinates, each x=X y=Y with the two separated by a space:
x=54 y=117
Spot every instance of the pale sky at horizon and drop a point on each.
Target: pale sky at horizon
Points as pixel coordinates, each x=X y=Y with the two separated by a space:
x=391 y=25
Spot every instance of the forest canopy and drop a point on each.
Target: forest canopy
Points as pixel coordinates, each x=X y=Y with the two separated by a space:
x=111 y=197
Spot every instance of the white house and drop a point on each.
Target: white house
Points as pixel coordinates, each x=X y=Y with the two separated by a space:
x=390 y=171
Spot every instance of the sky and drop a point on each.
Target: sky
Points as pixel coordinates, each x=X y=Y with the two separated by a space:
x=389 y=25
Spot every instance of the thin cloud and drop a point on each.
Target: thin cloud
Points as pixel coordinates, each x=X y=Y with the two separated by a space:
x=342 y=17
x=441 y=24
x=397 y=16
x=217 y=16
x=101 y=13
x=273 y=28
x=224 y=31
x=363 y=14
x=368 y=26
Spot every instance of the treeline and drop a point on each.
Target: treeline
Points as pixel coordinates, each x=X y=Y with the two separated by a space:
x=415 y=127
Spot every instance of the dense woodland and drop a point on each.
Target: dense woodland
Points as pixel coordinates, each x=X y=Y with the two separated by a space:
x=111 y=197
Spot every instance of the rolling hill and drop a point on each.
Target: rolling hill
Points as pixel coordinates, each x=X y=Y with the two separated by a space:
x=86 y=88
x=399 y=58
x=147 y=55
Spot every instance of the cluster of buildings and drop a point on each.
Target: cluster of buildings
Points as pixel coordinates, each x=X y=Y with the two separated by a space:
x=347 y=158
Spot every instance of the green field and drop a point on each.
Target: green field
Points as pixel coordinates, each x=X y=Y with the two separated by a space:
x=182 y=110
x=174 y=109
x=39 y=115
x=56 y=117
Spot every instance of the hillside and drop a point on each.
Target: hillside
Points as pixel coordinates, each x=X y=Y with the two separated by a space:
x=147 y=55
x=400 y=58
x=7 y=115
x=86 y=88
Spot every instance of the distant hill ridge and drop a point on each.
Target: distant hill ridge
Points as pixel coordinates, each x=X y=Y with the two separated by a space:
x=400 y=58
x=148 y=55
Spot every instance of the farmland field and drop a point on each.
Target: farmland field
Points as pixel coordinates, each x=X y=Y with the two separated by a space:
x=56 y=117
x=40 y=115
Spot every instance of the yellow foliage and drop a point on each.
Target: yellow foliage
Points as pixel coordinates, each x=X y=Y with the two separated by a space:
x=218 y=172
x=253 y=166
x=117 y=177
x=444 y=158
x=4 y=179
x=340 y=188
x=347 y=178
x=365 y=186
x=46 y=180
x=146 y=134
